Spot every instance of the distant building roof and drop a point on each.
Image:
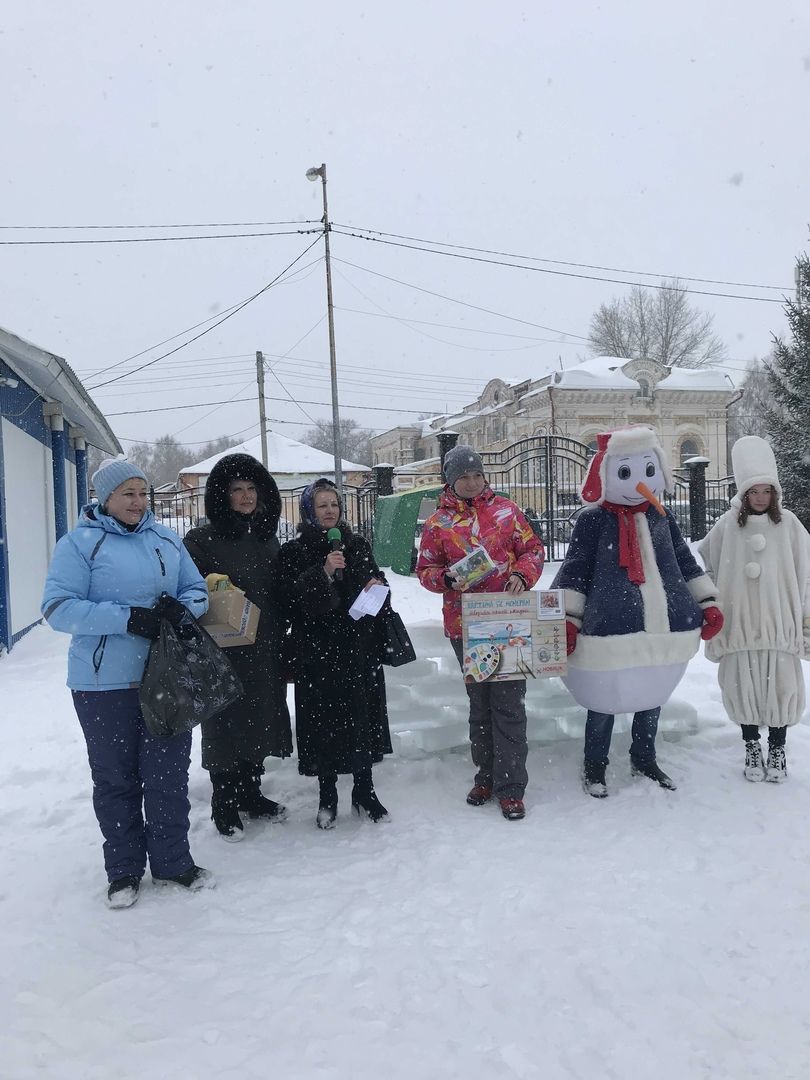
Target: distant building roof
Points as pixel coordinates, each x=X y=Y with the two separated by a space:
x=54 y=380
x=284 y=456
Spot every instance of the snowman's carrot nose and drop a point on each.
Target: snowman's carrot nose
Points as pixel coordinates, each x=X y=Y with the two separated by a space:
x=642 y=489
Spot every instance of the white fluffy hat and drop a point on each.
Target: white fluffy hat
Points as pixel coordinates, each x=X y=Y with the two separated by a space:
x=753 y=463
x=627 y=440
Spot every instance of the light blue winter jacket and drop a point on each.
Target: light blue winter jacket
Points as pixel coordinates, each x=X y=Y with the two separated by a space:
x=99 y=571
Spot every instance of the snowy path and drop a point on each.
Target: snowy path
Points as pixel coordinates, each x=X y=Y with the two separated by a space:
x=653 y=934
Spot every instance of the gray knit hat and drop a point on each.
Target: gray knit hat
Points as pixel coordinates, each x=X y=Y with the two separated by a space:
x=111 y=474
x=461 y=460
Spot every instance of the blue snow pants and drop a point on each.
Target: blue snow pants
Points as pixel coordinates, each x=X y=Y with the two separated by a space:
x=599 y=728
x=140 y=786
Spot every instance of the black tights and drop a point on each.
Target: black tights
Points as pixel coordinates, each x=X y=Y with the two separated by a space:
x=776 y=735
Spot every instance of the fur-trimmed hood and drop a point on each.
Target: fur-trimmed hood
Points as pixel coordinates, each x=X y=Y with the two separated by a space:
x=227 y=522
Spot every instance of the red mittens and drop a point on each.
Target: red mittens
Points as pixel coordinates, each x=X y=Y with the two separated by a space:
x=571 y=637
x=712 y=622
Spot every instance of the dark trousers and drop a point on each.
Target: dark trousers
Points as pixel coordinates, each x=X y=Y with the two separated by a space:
x=776 y=735
x=136 y=776
x=599 y=728
x=498 y=733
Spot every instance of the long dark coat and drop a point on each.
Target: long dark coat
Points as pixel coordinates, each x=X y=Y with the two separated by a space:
x=341 y=717
x=246 y=549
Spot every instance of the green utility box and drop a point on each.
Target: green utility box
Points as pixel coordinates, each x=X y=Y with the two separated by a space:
x=398 y=521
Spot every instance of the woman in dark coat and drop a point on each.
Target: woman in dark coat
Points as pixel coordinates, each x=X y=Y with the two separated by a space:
x=243 y=506
x=341 y=718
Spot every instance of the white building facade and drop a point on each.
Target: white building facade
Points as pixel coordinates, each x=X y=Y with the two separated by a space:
x=688 y=408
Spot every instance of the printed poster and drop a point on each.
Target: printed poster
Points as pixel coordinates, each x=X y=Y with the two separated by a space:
x=507 y=636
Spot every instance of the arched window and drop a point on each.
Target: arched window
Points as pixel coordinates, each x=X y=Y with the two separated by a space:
x=689 y=448
x=643 y=387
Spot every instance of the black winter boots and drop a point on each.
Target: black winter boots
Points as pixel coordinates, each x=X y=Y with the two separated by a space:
x=327 y=802
x=123 y=892
x=593 y=779
x=224 y=806
x=251 y=800
x=365 y=799
x=652 y=772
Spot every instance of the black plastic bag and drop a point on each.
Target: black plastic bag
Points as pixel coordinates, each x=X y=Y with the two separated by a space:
x=188 y=679
x=397 y=646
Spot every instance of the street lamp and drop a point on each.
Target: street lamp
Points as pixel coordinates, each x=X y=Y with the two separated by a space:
x=314 y=174
x=738 y=395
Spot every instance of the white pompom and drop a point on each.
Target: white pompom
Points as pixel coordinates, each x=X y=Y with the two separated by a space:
x=752 y=570
x=757 y=542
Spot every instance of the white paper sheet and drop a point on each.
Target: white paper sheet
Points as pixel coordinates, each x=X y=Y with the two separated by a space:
x=369 y=601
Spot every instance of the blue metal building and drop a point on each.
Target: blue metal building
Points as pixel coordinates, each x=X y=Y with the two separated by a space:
x=47 y=421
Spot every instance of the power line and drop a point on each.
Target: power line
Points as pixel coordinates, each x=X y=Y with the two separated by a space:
x=188 y=329
x=230 y=315
x=562 y=262
x=556 y=273
x=297 y=365
x=267 y=367
x=175 y=225
x=242 y=401
x=447 y=326
x=158 y=239
x=200 y=419
x=463 y=303
x=198 y=442
x=423 y=333
x=183 y=366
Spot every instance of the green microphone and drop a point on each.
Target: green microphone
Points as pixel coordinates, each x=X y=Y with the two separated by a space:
x=335 y=544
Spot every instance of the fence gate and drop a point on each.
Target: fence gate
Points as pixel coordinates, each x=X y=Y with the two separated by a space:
x=542 y=474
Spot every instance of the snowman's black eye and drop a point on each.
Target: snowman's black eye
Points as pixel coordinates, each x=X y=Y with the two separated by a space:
x=624 y=472
x=650 y=470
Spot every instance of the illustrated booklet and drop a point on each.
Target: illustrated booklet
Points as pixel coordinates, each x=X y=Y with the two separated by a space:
x=513 y=636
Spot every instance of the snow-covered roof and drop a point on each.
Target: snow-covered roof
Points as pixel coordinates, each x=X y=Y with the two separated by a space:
x=423 y=465
x=695 y=379
x=606 y=372
x=54 y=380
x=284 y=455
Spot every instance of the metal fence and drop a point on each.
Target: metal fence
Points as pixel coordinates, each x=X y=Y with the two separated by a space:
x=184 y=510
x=542 y=474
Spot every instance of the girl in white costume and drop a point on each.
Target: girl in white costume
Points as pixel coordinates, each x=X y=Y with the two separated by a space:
x=758 y=554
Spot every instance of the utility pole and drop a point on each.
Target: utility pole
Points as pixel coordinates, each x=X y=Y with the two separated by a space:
x=262 y=416
x=315 y=174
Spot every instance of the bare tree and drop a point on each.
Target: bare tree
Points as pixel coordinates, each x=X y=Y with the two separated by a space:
x=658 y=325
x=748 y=416
x=355 y=441
x=163 y=459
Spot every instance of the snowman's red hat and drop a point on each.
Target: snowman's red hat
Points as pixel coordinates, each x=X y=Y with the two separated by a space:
x=627 y=440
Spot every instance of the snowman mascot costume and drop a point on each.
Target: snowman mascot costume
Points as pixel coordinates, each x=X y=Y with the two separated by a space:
x=637 y=602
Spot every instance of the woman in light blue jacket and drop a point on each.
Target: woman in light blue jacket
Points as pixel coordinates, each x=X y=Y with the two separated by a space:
x=110 y=582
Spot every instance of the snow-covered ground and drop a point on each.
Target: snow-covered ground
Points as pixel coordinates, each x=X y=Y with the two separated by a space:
x=654 y=934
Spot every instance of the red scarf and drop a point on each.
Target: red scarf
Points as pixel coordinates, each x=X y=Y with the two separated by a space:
x=629 y=550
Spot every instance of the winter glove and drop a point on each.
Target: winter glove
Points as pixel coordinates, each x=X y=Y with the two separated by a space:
x=145 y=622
x=570 y=637
x=712 y=622
x=168 y=607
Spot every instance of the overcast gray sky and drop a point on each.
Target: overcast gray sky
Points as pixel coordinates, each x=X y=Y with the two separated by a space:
x=616 y=135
